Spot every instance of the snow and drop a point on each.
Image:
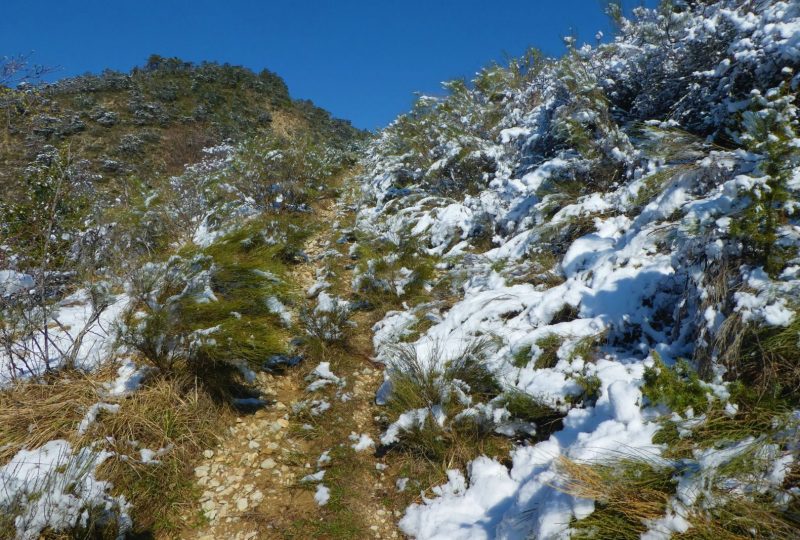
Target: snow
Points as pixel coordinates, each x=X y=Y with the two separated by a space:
x=129 y=378
x=460 y=512
x=76 y=331
x=362 y=442
x=322 y=495
x=277 y=307
x=12 y=282
x=637 y=280
x=55 y=488
x=322 y=376
x=91 y=415
x=324 y=458
x=316 y=477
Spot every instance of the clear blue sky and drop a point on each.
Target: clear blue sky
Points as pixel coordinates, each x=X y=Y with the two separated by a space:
x=362 y=60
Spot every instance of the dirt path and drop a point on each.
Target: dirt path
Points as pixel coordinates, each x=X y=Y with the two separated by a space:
x=252 y=483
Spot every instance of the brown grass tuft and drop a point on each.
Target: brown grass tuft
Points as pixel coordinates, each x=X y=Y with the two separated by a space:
x=32 y=413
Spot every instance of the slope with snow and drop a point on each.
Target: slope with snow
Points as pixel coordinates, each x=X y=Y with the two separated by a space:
x=610 y=186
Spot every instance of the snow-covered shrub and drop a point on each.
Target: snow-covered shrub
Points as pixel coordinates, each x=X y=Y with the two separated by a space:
x=329 y=321
x=438 y=405
x=214 y=308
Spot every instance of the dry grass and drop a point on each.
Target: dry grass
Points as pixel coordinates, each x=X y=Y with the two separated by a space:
x=32 y=413
x=627 y=493
x=741 y=519
x=172 y=414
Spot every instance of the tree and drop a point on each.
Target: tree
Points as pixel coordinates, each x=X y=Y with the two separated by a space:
x=15 y=70
x=770 y=130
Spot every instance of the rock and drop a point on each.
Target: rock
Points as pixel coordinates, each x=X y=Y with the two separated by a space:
x=253 y=445
x=242 y=504
x=208 y=454
x=201 y=471
x=268 y=463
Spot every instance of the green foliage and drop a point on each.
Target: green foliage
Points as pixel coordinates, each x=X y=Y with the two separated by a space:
x=548 y=345
x=770 y=129
x=527 y=408
x=293 y=169
x=39 y=220
x=522 y=356
x=442 y=386
x=181 y=326
x=384 y=264
x=768 y=360
x=444 y=139
x=678 y=387
x=591 y=386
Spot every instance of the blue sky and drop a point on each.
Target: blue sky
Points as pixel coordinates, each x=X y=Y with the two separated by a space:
x=362 y=60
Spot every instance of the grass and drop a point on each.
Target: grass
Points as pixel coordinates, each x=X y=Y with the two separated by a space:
x=32 y=413
x=768 y=358
x=417 y=384
x=522 y=356
x=587 y=347
x=548 y=355
x=170 y=413
x=346 y=478
x=245 y=269
x=627 y=493
x=174 y=414
x=678 y=387
x=742 y=519
x=381 y=265
x=525 y=407
x=350 y=475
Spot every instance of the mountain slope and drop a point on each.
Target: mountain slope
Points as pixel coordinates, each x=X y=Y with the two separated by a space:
x=619 y=230
x=580 y=277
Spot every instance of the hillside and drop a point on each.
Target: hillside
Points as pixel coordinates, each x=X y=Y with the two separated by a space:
x=559 y=301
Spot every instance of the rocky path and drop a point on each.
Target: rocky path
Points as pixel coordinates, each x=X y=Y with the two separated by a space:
x=262 y=480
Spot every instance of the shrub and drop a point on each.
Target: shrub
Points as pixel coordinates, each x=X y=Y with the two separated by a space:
x=447 y=424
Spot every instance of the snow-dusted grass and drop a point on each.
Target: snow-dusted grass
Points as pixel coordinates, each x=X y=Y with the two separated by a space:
x=627 y=494
x=54 y=489
x=32 y=413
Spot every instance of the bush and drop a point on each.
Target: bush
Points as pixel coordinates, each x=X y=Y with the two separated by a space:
x=441 y=405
